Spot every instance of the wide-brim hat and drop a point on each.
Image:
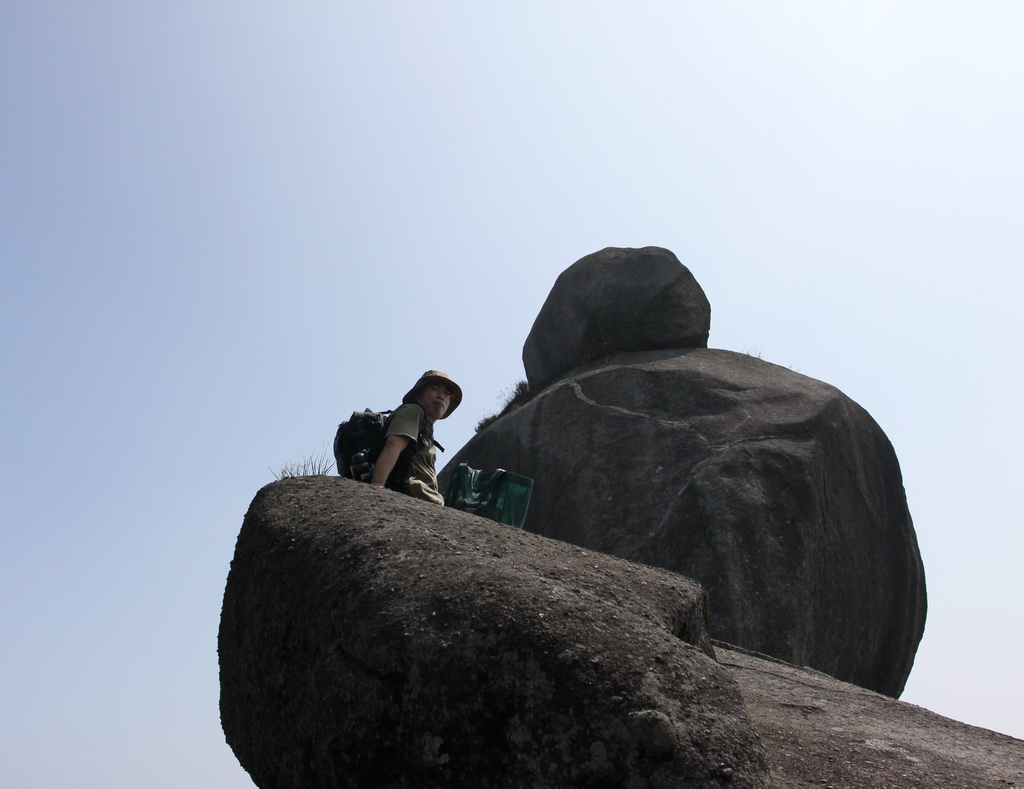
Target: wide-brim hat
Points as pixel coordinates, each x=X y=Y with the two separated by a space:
x=436 y=377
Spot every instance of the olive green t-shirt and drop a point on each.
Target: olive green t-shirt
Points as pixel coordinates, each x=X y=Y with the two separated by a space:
x=422 y=482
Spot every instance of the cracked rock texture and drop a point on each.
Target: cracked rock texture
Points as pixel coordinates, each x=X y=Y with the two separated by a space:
x=613 y=301
x=371 y=639
x=775 y=491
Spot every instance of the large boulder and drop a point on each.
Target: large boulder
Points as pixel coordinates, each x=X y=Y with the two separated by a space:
x=370 y=639
x=612 y=301
x=775 y=491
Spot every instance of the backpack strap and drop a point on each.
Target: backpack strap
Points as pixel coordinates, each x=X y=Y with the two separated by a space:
x=426 y=437
x=400 y=473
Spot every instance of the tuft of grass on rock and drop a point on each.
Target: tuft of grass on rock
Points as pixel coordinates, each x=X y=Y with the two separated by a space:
x=316 y=465
x=513 y=397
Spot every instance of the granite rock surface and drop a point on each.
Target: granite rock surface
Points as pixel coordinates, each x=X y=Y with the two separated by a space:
x=613 y=301
x=775 y=491
x=370 y=639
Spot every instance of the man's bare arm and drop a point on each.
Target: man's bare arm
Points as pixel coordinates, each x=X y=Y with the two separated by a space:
x=387 y=458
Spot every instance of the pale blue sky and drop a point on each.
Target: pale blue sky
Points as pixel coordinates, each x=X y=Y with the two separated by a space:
x=226 y=225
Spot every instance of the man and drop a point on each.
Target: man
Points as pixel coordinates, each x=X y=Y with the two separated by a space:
x=406 y=462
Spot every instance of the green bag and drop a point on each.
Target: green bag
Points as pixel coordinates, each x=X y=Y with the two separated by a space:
x=499 y=495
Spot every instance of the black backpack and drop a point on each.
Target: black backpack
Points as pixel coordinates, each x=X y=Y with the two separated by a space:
x=359 y=441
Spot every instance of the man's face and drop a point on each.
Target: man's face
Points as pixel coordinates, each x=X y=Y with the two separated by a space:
x=435 y=399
